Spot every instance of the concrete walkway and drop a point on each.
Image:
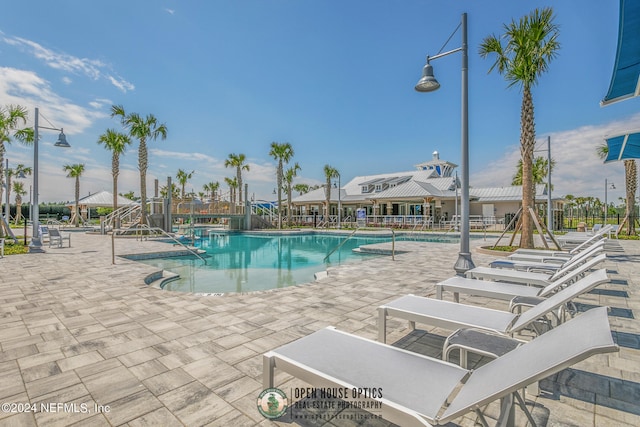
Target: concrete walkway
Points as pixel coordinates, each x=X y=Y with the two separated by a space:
x=97 y=346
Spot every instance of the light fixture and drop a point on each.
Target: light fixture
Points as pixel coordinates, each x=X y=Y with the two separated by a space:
x=62 y=140
x=428 y=83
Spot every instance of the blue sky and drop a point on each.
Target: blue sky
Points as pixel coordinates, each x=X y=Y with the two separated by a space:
x=333 y=78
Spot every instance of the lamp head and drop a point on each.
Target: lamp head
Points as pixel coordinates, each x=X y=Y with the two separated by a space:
x=62 y=140
x=427 y=83
x=21 y=175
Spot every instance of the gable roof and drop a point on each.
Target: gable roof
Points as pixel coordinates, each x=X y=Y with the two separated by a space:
x=103 y=199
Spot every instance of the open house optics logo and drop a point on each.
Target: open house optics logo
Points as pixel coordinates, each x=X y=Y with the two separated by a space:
x=272 y=403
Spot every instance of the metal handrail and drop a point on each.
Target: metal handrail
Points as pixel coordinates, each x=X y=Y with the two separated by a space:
x=393 y=244
x=140 y=227
x=339 y=245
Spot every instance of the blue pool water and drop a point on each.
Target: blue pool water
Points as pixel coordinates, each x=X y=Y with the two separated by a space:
x=240 y=262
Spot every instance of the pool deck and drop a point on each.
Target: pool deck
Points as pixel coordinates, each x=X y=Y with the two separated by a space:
x=74 y=328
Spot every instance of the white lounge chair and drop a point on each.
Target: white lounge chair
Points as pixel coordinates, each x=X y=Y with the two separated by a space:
x=507 y=291
x=523 y=277
x=553 y=256
x=417 y=390
x=451 y=315
x=56 y=238
x=548 y=264
x=578 y=238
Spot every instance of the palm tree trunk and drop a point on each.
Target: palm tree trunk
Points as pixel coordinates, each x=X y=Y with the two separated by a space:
x=631 y=183
x=527 y=143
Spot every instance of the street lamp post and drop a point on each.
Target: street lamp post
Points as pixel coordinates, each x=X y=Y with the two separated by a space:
x=428 y=83
x=36 y=244
x=607 y=185
x=339 y=203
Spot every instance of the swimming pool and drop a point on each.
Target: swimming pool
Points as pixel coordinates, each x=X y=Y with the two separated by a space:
x=245 y=262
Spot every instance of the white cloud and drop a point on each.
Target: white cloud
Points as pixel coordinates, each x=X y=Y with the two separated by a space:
x=92 y=68
x=578 y=171
x=26 y=88
x=170 y=11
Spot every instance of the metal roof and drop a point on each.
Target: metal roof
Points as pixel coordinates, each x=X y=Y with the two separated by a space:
x=504 y=194
x=625 y=81
x=103 y=199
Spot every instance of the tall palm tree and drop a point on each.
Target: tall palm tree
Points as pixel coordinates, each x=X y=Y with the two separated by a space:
x=237 y=161
x=630 y=184
x=11 y=116
x=75 y=171
x=18 y=188
x=20 y=169
x=289 y=174
x=531 y=44
x=182 y=177
x=301 y=188
x=329 y=173
x=142 y=129
x=116 y=142
x=233 y=185
x=282 y=152
x=211 y=188
x=539 y=169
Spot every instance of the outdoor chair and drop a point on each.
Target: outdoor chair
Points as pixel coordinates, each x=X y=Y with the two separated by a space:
x=577 y=237
x=576 y=249
x=1 y=247
x=507 y=291
x=56 y=238
x=548 y=264
x=44 y=233
x=420 y=391
x=553 y=256
x=523 y=277
x=451 y=315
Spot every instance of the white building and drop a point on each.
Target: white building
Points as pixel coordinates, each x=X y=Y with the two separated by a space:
x=425 y=196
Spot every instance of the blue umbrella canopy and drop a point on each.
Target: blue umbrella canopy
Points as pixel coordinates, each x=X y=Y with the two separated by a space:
x=625 y=81
x=623 y=147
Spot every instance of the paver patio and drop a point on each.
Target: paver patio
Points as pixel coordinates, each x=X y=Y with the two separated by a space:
x=75 y=329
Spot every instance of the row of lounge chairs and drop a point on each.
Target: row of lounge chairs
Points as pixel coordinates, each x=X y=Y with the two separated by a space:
x=420 y=390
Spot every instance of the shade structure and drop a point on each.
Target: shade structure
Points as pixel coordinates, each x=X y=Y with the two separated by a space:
x=625 y=82
x=623 y=147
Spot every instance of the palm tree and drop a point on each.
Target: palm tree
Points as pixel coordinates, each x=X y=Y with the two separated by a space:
x=539 y=169
x=128 y=195
x=175 y=192
x=183 y=177
x=211 y=188
x=531 y=44
x=18 y=188
x=19 y=170
x=10 y=118
x=282 y=152
x=116 y=142
x=289 y=174
x=630 y=183
x=570 y=198
x=237 y=161
x=75 y=171
x=329 y=173
x=301 y=188
x=142 y=129
x=233 y=184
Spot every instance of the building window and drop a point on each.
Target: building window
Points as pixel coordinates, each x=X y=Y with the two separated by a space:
x=378 y=187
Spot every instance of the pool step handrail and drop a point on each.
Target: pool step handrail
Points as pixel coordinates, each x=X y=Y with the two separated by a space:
x=141 y=227
x=339 y=245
